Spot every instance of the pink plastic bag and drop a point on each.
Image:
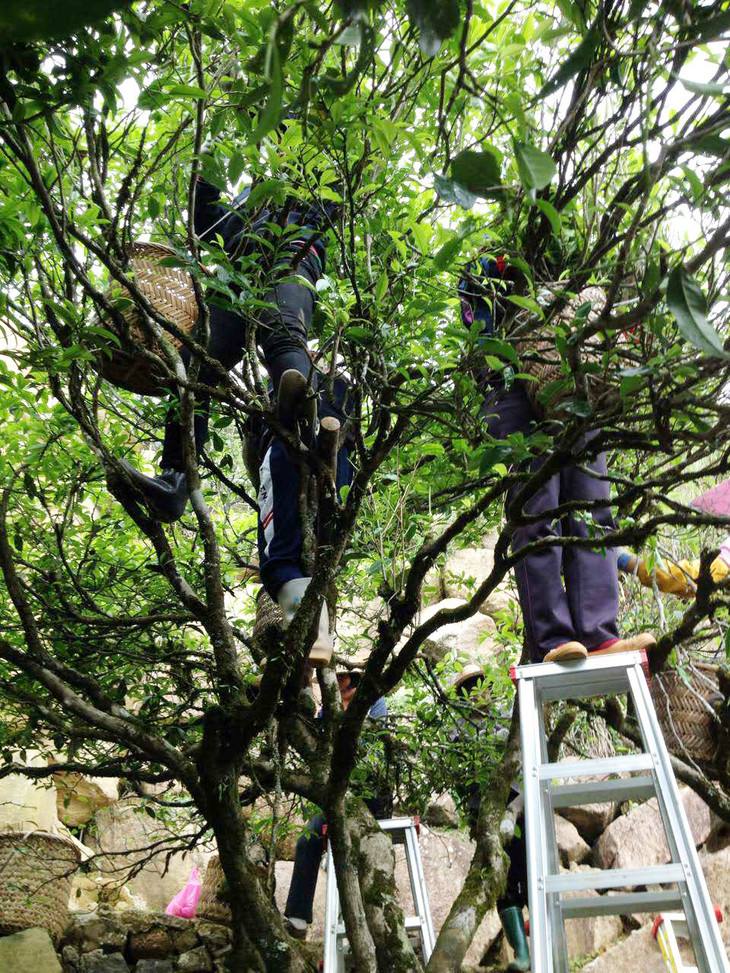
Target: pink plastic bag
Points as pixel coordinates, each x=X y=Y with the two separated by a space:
x=185 y=903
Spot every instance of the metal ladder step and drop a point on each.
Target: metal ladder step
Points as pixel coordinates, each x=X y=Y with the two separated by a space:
x=621 y=904
x=602 y=792
x=598 y=767
x=614 y=878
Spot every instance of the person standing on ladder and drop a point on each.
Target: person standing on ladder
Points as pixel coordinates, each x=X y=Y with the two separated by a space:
x=310 y=846
x=568 y=595
x=282 y=330
x=470 y=687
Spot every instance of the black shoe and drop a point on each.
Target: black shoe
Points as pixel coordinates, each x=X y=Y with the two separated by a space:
x=165 y=496
x=296 y=404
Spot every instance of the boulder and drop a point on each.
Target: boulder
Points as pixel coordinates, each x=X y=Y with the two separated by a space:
x=123 y=834
x=716 y=868
x=79 y=797
x=25 y=804
x=638 y=951
x=469 y=640
x=442 y=813
x=465 y=570
x=571 y=846
x=101 y=962
x=196 y=960
x=29 y=951
x=637 y=838
x=154 y=966
x=89 y=931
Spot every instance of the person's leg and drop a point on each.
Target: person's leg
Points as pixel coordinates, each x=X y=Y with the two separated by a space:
x=591 y=574
x=306 y=869
x=545 y=609
x=511 y=904
x=279 y=531
x=283 y=325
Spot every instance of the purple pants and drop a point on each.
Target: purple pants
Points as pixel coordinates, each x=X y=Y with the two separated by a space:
x=566 y=593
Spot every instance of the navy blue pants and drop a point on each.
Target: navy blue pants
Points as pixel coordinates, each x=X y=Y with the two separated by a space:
x=565 y=593
x=282 y=330
x=310 y=847
x=280 y=530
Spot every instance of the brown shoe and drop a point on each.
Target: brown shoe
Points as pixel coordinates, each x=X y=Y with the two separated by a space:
x=636 y=643
x=567 y=652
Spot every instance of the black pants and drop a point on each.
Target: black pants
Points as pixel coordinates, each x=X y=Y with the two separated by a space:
x=310 y=848
x=283 y=328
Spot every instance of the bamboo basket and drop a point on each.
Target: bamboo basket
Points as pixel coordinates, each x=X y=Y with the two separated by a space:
x=170 y=291
x=210 y=905
x=685 y=712
x=36 y=871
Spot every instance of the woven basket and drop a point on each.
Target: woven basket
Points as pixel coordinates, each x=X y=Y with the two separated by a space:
x=540 y=357
x=210 y=906
x=36 y=871
x=170 y=291
x=686 y=721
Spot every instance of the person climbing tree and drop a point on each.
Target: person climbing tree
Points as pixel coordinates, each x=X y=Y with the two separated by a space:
x=676 y=577
x=568 y=594
x=298 y=258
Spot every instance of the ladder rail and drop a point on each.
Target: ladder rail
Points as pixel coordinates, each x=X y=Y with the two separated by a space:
x=543 y=790
x=705 y=937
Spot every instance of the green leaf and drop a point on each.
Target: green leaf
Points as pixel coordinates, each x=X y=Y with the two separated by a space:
x=186 y=91
x=271 y=112
x=435 y=19
x=535 y=167
x=580 y=58
x=526 y=302
x=552 y=215
x=448 y=253
x=689 y=307
x=452 y=192
x=702 y=88
x=26 y=20
x=478 y=172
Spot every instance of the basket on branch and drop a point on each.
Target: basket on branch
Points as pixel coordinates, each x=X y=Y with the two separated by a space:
x=213 y=904
x=686 y=707
x=36 y=871
x=170 y=291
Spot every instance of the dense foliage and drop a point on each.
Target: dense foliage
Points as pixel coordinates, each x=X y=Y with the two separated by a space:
x=586 y=141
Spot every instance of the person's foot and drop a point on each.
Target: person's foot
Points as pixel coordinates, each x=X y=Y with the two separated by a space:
x=636 y=643
x=297 y=928
x=296 y=403
x=567 y=652
x=289 y=598
x=514 y=931
x=165 y=496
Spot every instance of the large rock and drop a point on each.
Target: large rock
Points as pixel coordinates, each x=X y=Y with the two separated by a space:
x=100 y=962
x=716 y=868
x=636 y=839
x=79 y=797
x=25 y=804
x=465 y=570
x=123 y=835
x=469 y=640
x=638 y=951
x=571 y=846
x=442 y=813
x=30 y=951
x=89 y=931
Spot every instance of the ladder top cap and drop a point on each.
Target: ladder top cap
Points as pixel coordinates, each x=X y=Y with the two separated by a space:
x=541 y=670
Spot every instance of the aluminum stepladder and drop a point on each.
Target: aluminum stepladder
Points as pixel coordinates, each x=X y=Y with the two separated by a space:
x=403 y=831
x=667 y=929
x=545 y=790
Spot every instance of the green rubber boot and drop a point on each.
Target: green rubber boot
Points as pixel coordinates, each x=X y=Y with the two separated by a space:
x=514 y=929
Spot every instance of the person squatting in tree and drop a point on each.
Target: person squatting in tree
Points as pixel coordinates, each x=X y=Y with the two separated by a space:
x=676 y=577
x=568 y=595
x=300 y=391
x=310 y=846
x=484 y=718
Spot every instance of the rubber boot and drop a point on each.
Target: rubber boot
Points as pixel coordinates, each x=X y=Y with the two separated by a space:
x=514 y=929
x=289 y=598
x=165 y=496
x=296 y=405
